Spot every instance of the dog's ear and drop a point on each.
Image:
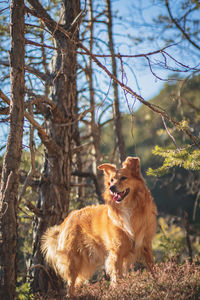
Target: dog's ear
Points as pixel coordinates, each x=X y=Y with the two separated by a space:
x=133 y=164
x=107 y=168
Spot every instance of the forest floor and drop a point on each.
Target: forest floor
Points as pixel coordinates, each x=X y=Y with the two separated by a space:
x=168 y=281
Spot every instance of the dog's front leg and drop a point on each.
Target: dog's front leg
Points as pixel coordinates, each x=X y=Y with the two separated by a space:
x=112 y=267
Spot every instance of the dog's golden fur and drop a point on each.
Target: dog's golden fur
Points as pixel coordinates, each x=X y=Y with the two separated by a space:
x=112 y=236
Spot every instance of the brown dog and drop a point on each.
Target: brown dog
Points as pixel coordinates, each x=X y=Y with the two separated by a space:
x=113 y=235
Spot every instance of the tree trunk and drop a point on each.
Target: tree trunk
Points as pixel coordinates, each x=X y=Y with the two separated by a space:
x=94 y=127
x=9 y=180
x=55 y=183
x=116 y=111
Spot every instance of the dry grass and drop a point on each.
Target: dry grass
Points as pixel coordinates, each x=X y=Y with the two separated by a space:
x=170 y=281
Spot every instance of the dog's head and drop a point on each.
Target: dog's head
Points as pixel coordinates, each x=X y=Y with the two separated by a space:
x=119 y=183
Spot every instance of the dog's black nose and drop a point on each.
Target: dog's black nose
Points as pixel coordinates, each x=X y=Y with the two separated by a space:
x=113 y=188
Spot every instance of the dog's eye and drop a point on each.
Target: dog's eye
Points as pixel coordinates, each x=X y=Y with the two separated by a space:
x=111 y=180
x=123 y=178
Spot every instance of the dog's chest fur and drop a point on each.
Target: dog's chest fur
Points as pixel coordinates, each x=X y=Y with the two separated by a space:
x=126 y=217
x=123 y=222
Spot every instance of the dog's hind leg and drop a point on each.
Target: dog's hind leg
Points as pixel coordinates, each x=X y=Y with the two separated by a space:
x=71 y=282
x=148 y=256
x=69 y=271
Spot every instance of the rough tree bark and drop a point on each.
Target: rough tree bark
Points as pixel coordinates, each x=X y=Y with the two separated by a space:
x=9 y=180
x=94 y=127
x=116 y=110
x=54 y=188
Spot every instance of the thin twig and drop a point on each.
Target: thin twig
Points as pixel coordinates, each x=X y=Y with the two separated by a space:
x=170 y=135
x=52 y=25
x=179 y=26
x=40 y=45
x=33 y=208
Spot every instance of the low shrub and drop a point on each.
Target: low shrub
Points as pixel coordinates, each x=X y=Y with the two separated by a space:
x=168 y=281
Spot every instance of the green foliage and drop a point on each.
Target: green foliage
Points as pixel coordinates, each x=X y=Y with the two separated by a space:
x=23 y=292
x=188 y=116
x=169 y=241
x=185 y=158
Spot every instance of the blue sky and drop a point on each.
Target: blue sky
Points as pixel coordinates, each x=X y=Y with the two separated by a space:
x=147 y=85
x=135 y=14
x=138 y=14
x=137 y=74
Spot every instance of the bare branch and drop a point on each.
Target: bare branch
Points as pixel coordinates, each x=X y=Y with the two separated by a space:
x=39 y=11
x=82 y=147
x=4 y=111
x=152 y=106
x=37 y=99
x=79 y=117
x=32 y=208
x=78 y=17
x=29 y=117
x=118 y=55
x=94 y=178
x=179 y=27
x=53 y=148
x=32 y=70
x=4 y=97
x=170 y=135
x=43 y=76
x=39 y=45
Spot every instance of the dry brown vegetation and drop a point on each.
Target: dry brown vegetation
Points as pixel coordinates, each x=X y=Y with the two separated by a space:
x=170 y=281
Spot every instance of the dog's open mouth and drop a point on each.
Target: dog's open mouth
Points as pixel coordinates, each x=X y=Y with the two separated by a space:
x=119 y=196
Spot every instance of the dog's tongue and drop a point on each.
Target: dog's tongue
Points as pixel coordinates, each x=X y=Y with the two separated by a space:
x=117 y=197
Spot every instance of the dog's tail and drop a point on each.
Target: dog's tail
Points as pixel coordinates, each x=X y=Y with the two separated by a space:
x=49 y=242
